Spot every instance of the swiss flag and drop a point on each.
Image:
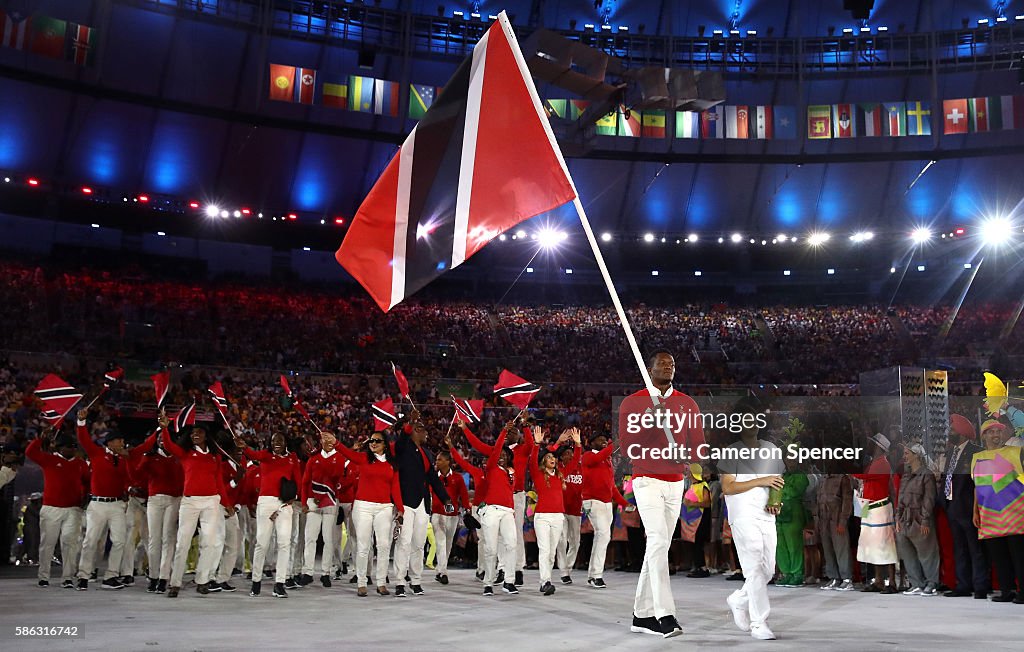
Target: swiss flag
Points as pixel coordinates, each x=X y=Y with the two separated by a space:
x=481 y=160
x=954 y=116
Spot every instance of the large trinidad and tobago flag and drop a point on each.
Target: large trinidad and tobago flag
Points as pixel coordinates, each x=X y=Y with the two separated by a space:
x=481 y=160
x=57 y=397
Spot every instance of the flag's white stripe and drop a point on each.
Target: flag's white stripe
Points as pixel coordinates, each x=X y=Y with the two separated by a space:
x=469 y=136
x=378 y=96
x=405 y=159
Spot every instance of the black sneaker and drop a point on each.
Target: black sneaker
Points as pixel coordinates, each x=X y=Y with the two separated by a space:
x=83 y=585
x=519 y=578
x=173 y=591
x=279 y=590
x=305 y=580
x=161 y=586
x=227 y=588
x=597 y=583
x=647 y=625
x=213 y=587
x=566 y=579
x=480 y=575
x=325 y=580
x=43 y=584
x=152 y=585
x=501 y=577
x=344 y=568
x=548 y=588
x=338 y=575
x=736 y=577
x=290 y=584
x=699 y=572
x=353 y=580
x=669 y=626
x=400 y=591
x=203 y=589
x=509 y=588
x=416 y=589
x=488 y=591
x=254 y=591
x=93 y=576
x=236 y=571
x=127 y=580
x=111 y=583
x=443 y=579
x=407 y=580
x=67 y=584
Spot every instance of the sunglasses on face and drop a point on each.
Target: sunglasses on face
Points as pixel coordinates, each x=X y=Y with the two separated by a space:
x=376 y=441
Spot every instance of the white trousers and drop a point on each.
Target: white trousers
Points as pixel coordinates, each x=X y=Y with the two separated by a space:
x=755 y=542
x=266 y=507
x=372 y=520
x=232 y=541
x=162 y=518
x=99 y=518
x=207 y=513
x=600 y=515
x=250 y=534
x=64 y=523
x=445 y=529
x=549 y=529
x=297 y=541
x=136 y=536
x=659 y=503
x=348 y=552
x=519 y=503
x=481 y=553
x=569 y=543
x=498 y=536
x=320 y=521
x=246 y=540
x=409 y=549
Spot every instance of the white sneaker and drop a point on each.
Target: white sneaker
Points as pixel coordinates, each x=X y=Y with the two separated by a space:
x=913 y=591
x=740 y=614
x=847 y=585
x=831 y=586
x=762 y=633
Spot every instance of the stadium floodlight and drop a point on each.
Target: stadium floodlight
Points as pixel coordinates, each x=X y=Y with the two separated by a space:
x=786 y=272
x=692 y=237
x=736 y=237
x=817 y=238
x=781 y=237
x=212 y=210
x=520 y=234
x=995 y=231
x=224 y=214
x=921 y=235
x=648 y=237
x=920 y=268
x=606 y=237
x=550 y=238
x=698 y=273
x=862 y=236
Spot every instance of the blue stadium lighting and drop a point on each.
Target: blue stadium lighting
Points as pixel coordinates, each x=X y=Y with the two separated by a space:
x=920 y=268
x=787 y=273
x=459 y=14
x=717 y=32
x=1018 y=17
x=475 y=16
x=983 y=21
x=606 y=28
x=734 y=32
x=883 y=29
x=967 y=265
x=848 y=30
x=588 y=26
x=1001 y=19
x=751 y=32
x=491 y=17
x=921 y=235
x=529 y=270
x=623 y=28
x=831 y=271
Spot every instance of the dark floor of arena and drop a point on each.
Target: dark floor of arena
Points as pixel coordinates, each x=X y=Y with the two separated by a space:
x=458 y=617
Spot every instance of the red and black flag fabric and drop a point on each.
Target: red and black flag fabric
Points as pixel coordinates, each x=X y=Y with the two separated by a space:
x=161 y=383
x=383 y=414
x=470 y=410
x=296 y=403
x=185 y=417
x=482 y=160
x=220 y=401
x=515 y=390
x=57 y=397
x=403 y=383
x=112 y=377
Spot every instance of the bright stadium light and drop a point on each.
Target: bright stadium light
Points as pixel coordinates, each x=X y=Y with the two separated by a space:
x=520 y=234
x=693 y=237
x=781 y=237
x=862 y=236
x=550 y=238
x=212 y=210
x=996 y=230
x=606 y=237
x=648 y=237
x=921 y=235
x=736 y=237
x=817 y=238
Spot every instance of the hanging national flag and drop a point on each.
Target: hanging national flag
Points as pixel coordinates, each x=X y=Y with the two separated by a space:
x=896 y=118
x=220 y=401
x=81 y=44
x=482 y=160
x=360 y=94
x=305 y=85
x=687 y=124
x=919 y=119
x=954 y=117
x=420 y=99
x=112 y=377
x=737 y=122
x=336 y=96
x=870 y=119
x=515 y=390
x=764 y=124
x=819 y=121
x=977 y=110
x=843 y=123
x=14 y=28
x=653 y=124
x=383 y=414
x=576 y=108
x=282 y=83
x=712 y=123
x=57 y=396
x=469 y=409
x=48 y=37
x=403 y=384
x=385 y=98
x=557 y=108
x=161 y=383
x=785 y=121
x=629 y=122
x=185 y=417
x=1012 y=111
x=606 y=124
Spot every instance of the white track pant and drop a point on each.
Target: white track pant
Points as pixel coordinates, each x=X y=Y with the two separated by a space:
x=445 y=529
x=266 y=506
x=162 y=517
x=755 y=541
x=600 y=515
x=568 y=544
x=549 y=528
x=519 y=503
x=99 y=518
x=298 y=539
x=207 y=513
x=64 y=523
x=372 y=520
x=136 y=536
x=409 y=549
x=658 y=502
x=245 y=540
x=498 y=536
x=232 y=541
x=320 y=521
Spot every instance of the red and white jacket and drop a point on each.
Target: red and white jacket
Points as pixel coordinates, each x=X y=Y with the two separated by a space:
x=322 y=478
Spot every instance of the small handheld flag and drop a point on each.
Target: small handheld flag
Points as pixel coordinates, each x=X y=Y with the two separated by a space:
x=185 y=417
x=403 y=384
x=515 y=390
x=161 y=383
x=112 y=377
x=469 y=410
x=220 y=401
x=57 y=396
x=383 y=414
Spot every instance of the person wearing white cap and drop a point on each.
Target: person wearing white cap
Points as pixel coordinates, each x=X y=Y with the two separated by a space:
x=877 y=543
x=915 y=523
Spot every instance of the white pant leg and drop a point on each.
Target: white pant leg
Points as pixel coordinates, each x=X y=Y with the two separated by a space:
x=549 y=528
x=348 y=553
x=409 y=552
x=297 y=542
x=310 y=534
x=251 y=524
x=282 y=527
x=211 y=536
x=383 y=521
x=600 y=514
x=265 y=506
x=71 y=541
x=188 y=518
x=445 y=528
x=99 y=518
x=507 y=533
x=571 y=537
x=243 y=537
x=519 y=504
x=135 y=535
x=328 y=530
x=490 y=520
x=659 y=503
x=370 y=519
x=362 y=517
x=232 y=541
x=755 y=541
x=50 y=521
